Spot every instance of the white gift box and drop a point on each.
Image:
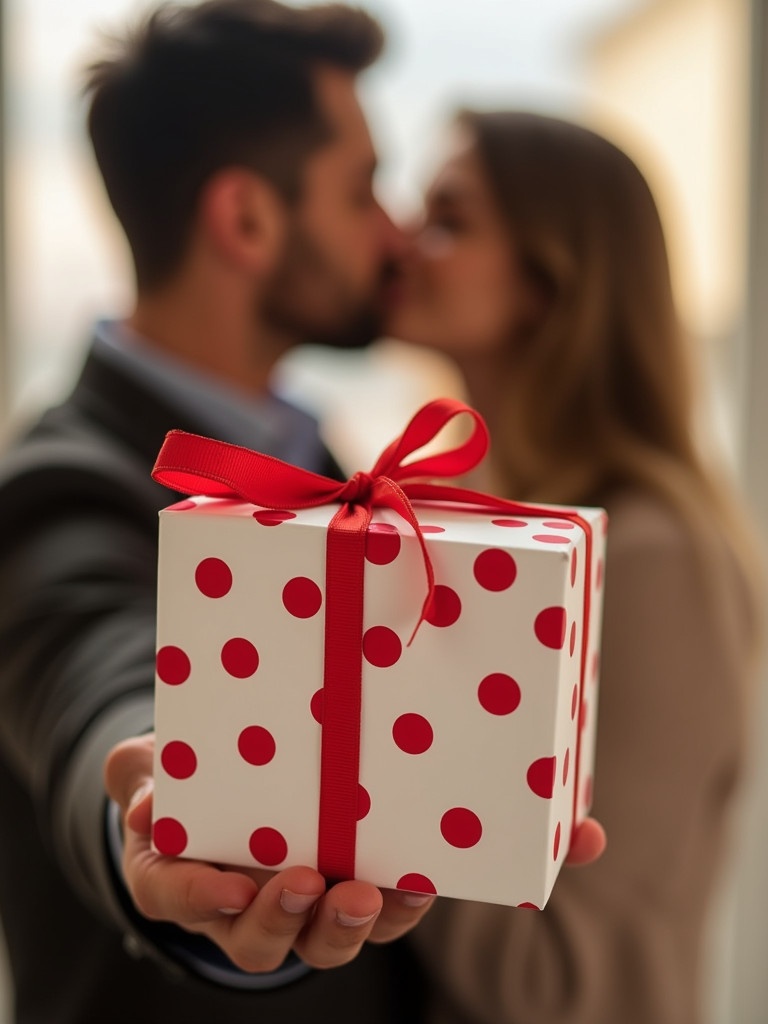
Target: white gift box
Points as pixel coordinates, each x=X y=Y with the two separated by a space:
x=477 y=739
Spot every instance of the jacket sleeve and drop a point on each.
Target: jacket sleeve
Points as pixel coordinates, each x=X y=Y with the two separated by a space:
x=77 y=591
x=619 y=940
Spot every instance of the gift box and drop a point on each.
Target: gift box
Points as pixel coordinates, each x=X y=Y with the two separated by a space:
x=409 y=698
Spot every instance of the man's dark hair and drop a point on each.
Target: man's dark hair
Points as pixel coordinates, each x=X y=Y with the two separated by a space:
x=194 y=89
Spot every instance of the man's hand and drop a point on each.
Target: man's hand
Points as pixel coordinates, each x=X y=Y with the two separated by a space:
x=255 y=917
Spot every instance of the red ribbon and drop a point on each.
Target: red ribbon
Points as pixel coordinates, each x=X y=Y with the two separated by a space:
x=190 y=464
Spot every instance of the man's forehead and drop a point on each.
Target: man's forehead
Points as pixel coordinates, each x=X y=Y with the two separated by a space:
x=338 y=99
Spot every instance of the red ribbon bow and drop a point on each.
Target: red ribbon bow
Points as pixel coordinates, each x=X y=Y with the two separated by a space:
x=190 y=464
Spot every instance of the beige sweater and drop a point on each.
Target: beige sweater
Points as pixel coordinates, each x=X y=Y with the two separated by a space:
x=619 y=942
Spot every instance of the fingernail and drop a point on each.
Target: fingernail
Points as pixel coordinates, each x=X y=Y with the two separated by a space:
x=296 y=902
x=144 y=789
x=230 y=911
x=413 y=899
x=353 y=922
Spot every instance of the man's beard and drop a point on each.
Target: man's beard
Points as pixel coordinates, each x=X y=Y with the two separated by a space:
x=289 y=303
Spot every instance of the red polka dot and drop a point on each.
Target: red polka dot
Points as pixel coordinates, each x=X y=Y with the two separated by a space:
x=213 y=577
x=558 y=524
x=382 y=543
x=574 y=563
x=556 y=843
x=381 y=646
x=412 y=733
x=316 y=705
x=599 y=574
x=495 y=569
x=239 y=657
x=182 y=506
x=550 y=627
x=431 y=529
x=583 y=715
x=173 y=666
x=445 y=607
x=566 y=764
x=551 y=538
x=499 y=694
x=588 y=791
x=461 y=827
x=272 y=517
x=572 y=640
x=178 y=759
x=527 y=906
x=363 y=802
x=574 y=700
x=509 y=522
x=256 y=745
x=169 y=836
x=302 y=597
x=415 y=882
x=268 y=846
x=541 y=777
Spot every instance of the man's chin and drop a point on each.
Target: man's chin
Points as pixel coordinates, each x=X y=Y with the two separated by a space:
x=350 y=337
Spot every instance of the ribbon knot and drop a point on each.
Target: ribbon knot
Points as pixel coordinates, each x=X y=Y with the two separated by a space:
x=359 y=489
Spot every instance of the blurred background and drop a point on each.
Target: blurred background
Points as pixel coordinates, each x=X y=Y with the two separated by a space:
x=680 y=84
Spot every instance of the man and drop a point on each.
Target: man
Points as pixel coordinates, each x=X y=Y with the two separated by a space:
x=237 y=159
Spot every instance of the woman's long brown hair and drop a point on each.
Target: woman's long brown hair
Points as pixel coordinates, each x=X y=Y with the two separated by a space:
x=597 y=395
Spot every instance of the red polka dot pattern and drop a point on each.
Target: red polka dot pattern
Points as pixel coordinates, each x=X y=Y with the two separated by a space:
x=256 y=745
x=527 y=906
x=495 y=569
x=239 y=657
x=272 y=517
x=566 y=764
x=381 y=646
x=169 y=836
x=268 y=846
x=213 y=577
x=574 y=565
x=182 y=506
x=499 y=694
x=382 y=543
x=302 y=597
x=599 y=574
x=445 y=607
x=556 y=843
x=414 y=882
x=461 y=828
x=363 y=802
x=574 y=701
x=412 y=733
x=549 y=627
x=551 y=538
x=178 y=759
x=316 y=705
x=431 y=529
x=173 y=666
x=509 y=522
x=572 y=640
x=541 y=777
x=558 y=524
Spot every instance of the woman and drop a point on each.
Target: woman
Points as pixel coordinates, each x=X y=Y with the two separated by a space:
x=541 y=270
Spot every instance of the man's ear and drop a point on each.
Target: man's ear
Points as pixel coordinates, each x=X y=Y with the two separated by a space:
x=242 y=218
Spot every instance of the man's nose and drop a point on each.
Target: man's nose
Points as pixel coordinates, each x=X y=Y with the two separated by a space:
x=394 y=239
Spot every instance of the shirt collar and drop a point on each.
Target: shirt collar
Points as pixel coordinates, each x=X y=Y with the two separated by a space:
x=265 y=422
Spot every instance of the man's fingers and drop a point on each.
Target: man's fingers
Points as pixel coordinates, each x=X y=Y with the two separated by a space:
x=187 y=892
x=342 y=922
x=128 y=770
x=588 y=843
x=401 y=912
